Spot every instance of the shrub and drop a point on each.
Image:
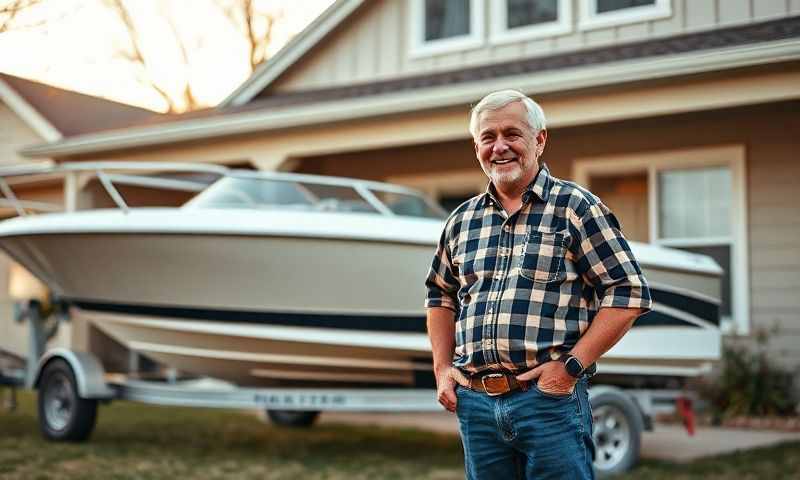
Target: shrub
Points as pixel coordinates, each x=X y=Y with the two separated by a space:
x=749 y=383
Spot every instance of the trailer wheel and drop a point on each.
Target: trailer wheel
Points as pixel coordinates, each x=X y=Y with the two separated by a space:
x=63 y=415
x=617 y=433
x=293 y=418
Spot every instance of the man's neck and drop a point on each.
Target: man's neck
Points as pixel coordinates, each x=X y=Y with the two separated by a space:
x=510 y=195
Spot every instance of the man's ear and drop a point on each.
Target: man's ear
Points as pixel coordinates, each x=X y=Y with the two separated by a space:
x=541 y=137
x=475 y=145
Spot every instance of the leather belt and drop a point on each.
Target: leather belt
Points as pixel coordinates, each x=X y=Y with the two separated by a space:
x=496 y=383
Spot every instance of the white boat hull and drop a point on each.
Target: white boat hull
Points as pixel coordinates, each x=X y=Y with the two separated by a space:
x=291 y=315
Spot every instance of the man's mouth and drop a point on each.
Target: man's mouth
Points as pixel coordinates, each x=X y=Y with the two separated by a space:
x=503 y=161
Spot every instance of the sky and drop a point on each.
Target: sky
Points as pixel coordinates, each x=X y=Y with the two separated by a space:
x=77 y=47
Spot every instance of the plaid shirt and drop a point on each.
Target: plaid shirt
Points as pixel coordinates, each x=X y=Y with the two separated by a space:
x=525 y=287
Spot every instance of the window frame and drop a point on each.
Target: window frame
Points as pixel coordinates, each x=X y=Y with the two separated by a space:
x=500 y=33
x=731 y=156
x=420 y=48
x=590 y=19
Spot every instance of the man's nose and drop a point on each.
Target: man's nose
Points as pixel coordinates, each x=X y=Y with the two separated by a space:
x=499 y=146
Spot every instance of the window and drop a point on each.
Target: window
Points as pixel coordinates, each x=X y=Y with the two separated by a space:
x=607 y=13
x=442 y=26
x=695 y=201
x=515 y=20
x=695 y=215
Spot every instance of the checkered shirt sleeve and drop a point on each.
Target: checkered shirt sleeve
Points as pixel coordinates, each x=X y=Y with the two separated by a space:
x=605 y=261
x=441 y=284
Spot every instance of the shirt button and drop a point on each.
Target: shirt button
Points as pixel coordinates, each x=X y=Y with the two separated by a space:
x=498 y=275
x=507 y=228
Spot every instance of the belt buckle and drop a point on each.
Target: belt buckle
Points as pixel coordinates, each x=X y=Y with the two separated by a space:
x=493 y=392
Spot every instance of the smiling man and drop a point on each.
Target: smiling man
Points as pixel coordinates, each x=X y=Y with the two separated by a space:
x=531 y=283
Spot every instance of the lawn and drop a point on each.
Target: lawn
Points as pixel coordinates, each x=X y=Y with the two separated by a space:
x=146 y=442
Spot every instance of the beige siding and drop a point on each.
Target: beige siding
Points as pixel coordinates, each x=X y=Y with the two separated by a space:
x=14 y=134
x=700 y=14
x=734 y=11
x=374 y=43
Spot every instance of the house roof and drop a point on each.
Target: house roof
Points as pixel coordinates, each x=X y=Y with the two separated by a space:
x=708 y=51
x=66 y=112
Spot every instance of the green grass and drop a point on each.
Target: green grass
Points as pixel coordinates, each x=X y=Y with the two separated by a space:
x=147 y=442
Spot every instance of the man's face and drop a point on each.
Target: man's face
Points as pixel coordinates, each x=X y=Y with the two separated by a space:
x=506 y=147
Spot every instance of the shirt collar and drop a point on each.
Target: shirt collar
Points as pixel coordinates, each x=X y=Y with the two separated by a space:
x=540 y=187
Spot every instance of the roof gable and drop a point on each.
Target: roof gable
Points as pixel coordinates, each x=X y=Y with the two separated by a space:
x=55 y=112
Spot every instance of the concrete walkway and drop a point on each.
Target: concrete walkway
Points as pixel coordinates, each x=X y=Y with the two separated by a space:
x=666 y=442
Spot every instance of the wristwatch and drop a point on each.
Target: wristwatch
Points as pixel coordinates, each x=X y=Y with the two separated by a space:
x=573 y=365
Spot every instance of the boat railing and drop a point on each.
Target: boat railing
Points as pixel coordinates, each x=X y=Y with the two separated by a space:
x=136 y=174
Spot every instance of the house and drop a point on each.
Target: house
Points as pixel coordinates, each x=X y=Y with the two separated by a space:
x=32 y=113
x=681 y=115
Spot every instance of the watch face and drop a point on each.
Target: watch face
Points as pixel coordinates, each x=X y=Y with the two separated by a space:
x=573 y=366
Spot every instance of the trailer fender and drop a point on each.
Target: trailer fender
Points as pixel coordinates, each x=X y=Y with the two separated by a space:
x=89 y=373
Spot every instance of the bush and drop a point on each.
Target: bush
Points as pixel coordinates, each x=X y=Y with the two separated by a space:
x=749 y=384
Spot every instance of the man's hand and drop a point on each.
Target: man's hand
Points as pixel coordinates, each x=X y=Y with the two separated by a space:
x=446 y=389
x=552 y=378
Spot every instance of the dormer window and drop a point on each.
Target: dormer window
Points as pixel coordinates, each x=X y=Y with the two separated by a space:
x=607 y=13
x=515 y=20
x=443 y=26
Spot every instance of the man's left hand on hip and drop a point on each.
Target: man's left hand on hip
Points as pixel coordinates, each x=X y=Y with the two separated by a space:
x=550 y=377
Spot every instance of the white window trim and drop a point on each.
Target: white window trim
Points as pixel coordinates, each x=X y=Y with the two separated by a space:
x=590 y=19
x=732 y=156
x=419 y=48
x=500 y=34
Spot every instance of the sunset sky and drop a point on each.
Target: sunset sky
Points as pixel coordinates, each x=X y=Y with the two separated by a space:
x=76 y=48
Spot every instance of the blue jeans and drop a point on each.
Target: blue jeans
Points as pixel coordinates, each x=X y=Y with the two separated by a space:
x=526 y=435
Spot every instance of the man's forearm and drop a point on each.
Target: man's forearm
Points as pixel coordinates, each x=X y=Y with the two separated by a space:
x=441 y=332
x=607 y=328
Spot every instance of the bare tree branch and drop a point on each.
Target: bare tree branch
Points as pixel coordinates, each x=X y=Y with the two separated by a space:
x=187 y=101
x=9 y=10
x=257 y=27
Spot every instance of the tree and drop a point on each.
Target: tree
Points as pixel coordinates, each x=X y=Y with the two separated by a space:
x=9 y=11
x=186 y=100
x=257 y=26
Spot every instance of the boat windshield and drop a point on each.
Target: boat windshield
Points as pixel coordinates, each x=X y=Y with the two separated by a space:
x=266 y=193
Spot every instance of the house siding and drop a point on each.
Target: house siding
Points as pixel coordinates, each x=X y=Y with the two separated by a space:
x=14 y=134
x=374 y=43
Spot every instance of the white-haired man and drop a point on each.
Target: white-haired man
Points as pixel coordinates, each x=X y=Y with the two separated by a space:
x=531 y=283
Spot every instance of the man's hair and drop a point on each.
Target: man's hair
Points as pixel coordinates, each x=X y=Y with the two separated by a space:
x=498 y=100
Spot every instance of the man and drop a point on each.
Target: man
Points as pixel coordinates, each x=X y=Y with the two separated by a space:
x=531 y=283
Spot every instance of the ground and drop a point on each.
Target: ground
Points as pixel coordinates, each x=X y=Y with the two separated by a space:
x=147 y=442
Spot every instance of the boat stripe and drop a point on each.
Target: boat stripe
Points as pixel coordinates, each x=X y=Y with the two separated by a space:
x=382 y=323
x=703 y=309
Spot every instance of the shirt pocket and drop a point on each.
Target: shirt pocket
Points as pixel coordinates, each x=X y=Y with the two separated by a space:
x=542 y=258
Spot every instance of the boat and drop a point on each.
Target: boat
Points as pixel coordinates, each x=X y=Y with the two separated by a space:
x=271 y=278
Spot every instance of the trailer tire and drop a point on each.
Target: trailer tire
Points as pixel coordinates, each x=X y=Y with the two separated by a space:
x=63 y=414
x=293 y=418
x=616 y=433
